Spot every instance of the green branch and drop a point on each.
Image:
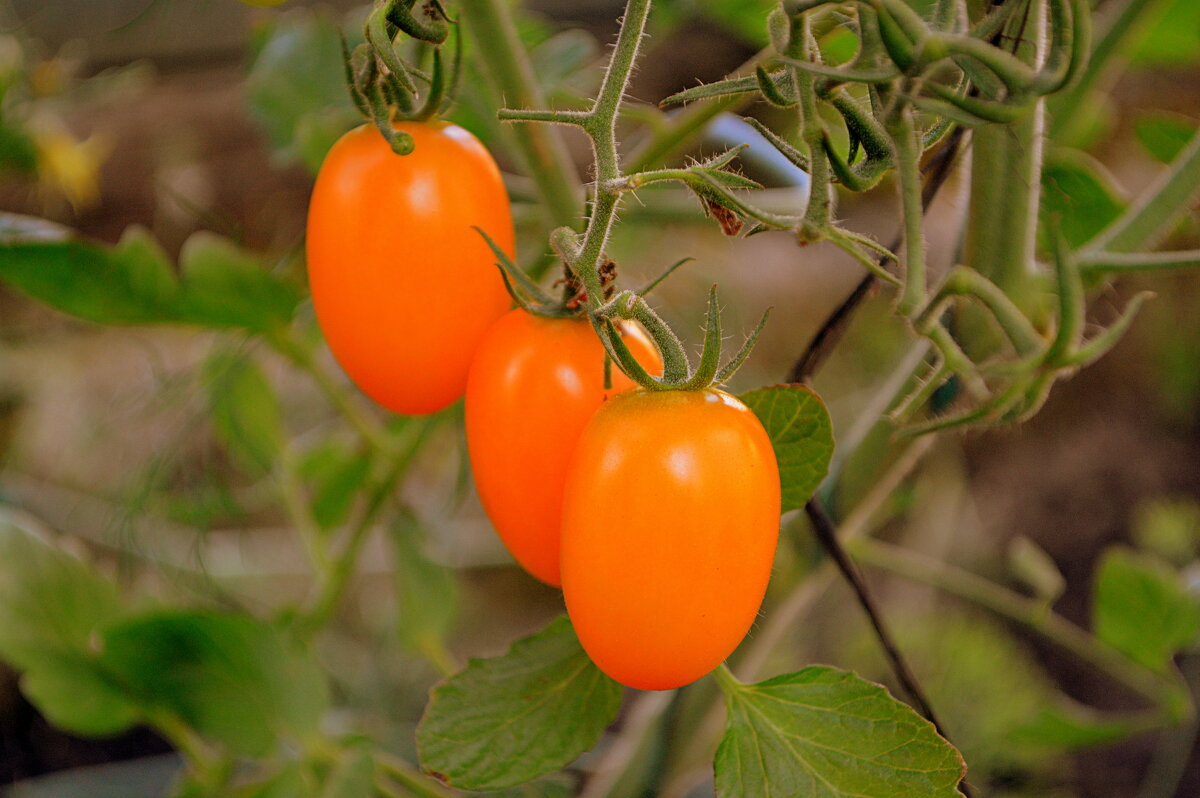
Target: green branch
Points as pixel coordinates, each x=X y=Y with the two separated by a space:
x=1165 y=692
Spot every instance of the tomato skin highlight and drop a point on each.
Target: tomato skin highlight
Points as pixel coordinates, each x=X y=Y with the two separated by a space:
x=533 y=385
x=403 y=288
x=670 y=522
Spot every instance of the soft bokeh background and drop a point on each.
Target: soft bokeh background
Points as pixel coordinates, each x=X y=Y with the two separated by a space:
x=166 y=114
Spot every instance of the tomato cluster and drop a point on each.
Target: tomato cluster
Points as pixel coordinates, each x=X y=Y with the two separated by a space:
x=657 y=511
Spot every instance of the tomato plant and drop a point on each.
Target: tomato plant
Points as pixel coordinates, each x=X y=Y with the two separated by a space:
x=670 y=520
x=392 y=256
x=533 y=385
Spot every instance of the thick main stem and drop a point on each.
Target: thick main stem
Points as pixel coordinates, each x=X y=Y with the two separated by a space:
x=601 y=126
x=509 y=67
x=1006 y=172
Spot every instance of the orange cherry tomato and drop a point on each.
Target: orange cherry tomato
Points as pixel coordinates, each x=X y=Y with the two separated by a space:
x=403 y=288
x=533 y=385
x=670 y=519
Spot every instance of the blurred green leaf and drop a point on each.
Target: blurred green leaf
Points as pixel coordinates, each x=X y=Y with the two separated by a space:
x=839 y=46
x=1169 y=529
x=230 y=677
x=289 y=782
x=50 y=606
x=801 y=433
x=823 y=731
x=353 y=778
x=1164 y=134
x=1142 y=608
x=335 y=473
x=49 y=601
x=506 y=720
x=1172 y=41
x=1078 y=198
x=1067 y=725
x=17 y=151
x=993 y=691
x=1036 y=569
x=296 y=86
x=245 y=411
x=131 y=283
x=74 y=694
x=426 y=593
x=225 y=286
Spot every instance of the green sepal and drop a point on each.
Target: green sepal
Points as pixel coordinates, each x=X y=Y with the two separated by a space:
x=710 y=355
x=380 y=41
x=434 y=30
x=773 y=92
x=794 y=156
x=450 y=94
x=360 y=102
x=650 y=286
x=530 y=295
x=619 y=352
x=726 y=372
x=722 y=88
x=437 y=89
x=1097 y=347
x=882 y=73
x=899 y=47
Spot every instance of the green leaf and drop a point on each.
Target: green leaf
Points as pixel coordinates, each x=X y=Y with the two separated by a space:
x=225 y=286
x=426 y=592
x=801 y=433
x=296 y=87
x=1068 y=725
x=133 y=283
x=233 y=679
x=1142 y=608
x=18 y=153
x=1174 y=40
x=75 y=695
x=825 y=733
x=289 y=782
x=1036 y=569
x=245 y=412
x=50 y=606
x=129 y=284
x=1169 y=528
x=1078 y=199
x=335 y=474
x=353 y=778
x=50 y=602
x=1163 y=134
x=509 y=719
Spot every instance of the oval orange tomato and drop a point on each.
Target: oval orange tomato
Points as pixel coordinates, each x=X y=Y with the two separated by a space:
x=670 y=519
x=403 y=288
x=533 y=385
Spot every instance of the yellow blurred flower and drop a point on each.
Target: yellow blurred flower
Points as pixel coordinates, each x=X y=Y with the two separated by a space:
x=69 y=167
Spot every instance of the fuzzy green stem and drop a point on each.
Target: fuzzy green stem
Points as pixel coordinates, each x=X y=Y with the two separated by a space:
x=1099 y=264
x=1006 y=168
x=908 y=183
x=332 y=580
x=302 y=358
x=601 y=127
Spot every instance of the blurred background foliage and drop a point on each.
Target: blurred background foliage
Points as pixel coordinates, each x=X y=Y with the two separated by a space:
x=151 y=448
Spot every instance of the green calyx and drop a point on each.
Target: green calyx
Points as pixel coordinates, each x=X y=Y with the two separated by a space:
x=384 y=86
